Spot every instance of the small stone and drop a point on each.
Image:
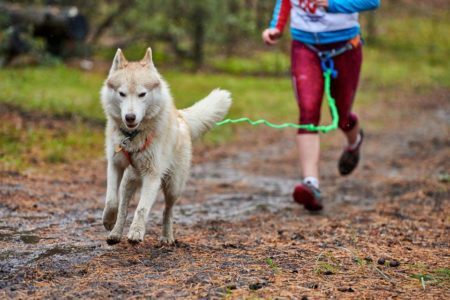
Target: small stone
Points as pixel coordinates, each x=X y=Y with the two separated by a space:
x=312 y=285
x=394 y=263
x=297 y=237
x=381 y=261
x=348 y=290
x=257 y=285
x=304 y=297
x=323 y=245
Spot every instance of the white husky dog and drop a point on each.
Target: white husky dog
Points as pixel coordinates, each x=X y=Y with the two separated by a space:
x=148 y=143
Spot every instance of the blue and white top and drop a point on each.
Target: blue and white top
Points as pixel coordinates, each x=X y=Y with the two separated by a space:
x=315 y=25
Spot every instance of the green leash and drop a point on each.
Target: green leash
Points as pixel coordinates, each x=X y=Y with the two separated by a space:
x=310 y=127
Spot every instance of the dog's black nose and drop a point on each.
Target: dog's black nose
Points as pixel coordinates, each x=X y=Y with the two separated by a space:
x=130 y=118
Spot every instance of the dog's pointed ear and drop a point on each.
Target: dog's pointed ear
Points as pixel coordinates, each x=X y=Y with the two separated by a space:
x=119 y=62
x=147 y=60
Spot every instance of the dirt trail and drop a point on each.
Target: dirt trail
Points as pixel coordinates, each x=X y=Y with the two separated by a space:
x=239 y=233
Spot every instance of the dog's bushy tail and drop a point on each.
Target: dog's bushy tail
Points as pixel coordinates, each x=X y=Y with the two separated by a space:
x=204 y=114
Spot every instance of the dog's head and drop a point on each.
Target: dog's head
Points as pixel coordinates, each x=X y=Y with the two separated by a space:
x=132 y=91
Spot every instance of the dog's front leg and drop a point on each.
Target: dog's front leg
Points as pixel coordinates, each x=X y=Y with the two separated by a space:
x=114 y=176
x=150 y=187
x=130 y=183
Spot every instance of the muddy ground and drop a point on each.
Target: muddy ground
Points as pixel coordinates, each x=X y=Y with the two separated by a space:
x=239 y=234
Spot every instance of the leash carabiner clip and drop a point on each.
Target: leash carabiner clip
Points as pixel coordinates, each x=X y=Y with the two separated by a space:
x=125 y=141
x=328 y=66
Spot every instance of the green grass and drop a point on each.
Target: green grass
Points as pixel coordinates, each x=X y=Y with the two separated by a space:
x=410 y=56
x=273 y=62
x=63 y=91
x=28 y=146
x=439 y=276
x=275 y=268
x=53 y=90
x=60 y=91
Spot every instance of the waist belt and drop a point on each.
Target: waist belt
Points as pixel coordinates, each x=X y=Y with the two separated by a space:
x=326 y=56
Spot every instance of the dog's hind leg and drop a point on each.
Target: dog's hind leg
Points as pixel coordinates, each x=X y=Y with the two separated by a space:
x=173 y=186
x=128 y=187
x=114 y=177
x=170 y=196
x=149 y=191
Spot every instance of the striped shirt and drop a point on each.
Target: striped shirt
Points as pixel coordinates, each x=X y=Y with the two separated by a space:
x=315 y=25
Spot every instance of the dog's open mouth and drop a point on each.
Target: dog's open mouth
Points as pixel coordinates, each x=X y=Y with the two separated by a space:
x=131 y=126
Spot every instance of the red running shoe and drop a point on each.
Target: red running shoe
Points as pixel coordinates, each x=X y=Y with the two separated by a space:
x=308 y=196
x=350 y=158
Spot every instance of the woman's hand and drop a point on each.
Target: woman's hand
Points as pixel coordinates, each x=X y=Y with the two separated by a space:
x=322 y=3
x=271 y=36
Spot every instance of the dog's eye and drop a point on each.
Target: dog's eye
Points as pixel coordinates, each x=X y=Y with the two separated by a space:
x=142 y=95
x=122 y=94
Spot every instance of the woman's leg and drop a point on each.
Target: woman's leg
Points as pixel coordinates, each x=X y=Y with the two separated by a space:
x=307 y=82
x=352 y=134
x=343 y=89
x=309 y=153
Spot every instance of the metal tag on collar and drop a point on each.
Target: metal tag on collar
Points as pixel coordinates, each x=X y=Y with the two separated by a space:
x=125 y=141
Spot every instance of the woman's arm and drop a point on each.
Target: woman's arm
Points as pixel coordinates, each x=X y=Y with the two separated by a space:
x=280 y=14
x=351 y=6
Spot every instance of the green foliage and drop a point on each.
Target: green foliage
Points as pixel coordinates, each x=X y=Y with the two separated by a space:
x=28 y=146
x=57 y=90
x=438 y=276
x=63 y=92
x=273 y=62
x=275 y=268
x=325 y=268
x=443 y=274
x=326 y=264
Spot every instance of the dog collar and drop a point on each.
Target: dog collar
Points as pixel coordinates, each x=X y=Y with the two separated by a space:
x=127 y=154
x=129 y=136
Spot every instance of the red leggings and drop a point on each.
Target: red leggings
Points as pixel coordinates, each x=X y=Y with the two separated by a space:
x=307 y=79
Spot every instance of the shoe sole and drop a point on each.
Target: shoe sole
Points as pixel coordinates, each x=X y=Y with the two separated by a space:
x=307 y=199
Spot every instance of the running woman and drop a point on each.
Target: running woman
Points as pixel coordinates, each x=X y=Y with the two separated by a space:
x=322 y=26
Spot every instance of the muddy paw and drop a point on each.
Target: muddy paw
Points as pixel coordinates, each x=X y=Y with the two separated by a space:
x=113 y=239
x=136 y=235
x=166 y=241
x=109 y=218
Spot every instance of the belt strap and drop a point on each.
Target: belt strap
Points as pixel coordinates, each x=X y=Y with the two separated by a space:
x=326 y=56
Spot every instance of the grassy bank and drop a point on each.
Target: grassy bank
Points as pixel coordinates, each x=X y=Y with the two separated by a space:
x=63 y=92
x=408 y=56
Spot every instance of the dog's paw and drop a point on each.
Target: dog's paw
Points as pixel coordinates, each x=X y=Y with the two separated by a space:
x=109 y=217
x=136 y=235
x=166 y=241
x=113 y=239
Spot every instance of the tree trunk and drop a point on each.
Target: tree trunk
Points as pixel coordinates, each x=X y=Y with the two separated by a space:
x=198 y=37
x=123 y=6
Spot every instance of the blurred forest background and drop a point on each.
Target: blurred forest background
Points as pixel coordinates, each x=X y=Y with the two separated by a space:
x=204 y=34
x=61 y=50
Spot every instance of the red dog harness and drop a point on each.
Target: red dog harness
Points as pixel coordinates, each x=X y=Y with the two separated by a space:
x=127 y=154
